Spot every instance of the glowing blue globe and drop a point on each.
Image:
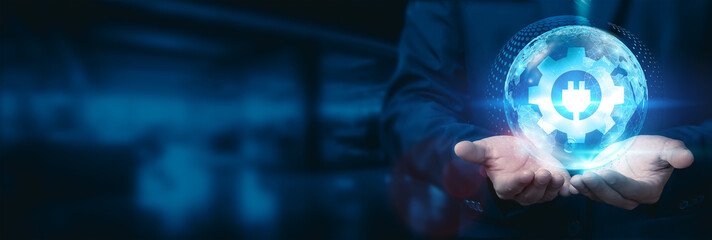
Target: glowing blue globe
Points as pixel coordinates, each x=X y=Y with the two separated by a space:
x=572 y=92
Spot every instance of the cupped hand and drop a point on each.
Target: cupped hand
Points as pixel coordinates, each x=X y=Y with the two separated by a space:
x=639 y=176
x=515 y=174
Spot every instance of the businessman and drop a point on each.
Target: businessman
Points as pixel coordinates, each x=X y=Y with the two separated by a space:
x=435 y=123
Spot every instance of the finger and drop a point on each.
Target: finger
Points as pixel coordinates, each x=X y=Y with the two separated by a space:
x=573 y=189
x=578 y=186
x=475 y=152
x=565 y=188
x=626 y=187
x=605 y=193
x=552 y=190
x=675 y=153
x=535 y=191
x=507 y=189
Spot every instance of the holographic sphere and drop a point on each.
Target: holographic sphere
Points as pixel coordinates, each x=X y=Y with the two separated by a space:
x=572 y=92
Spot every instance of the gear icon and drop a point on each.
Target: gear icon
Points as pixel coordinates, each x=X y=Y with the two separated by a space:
x=576 y=129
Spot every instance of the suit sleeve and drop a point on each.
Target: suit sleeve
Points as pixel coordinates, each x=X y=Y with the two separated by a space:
x=687 y=188
x=425 y=109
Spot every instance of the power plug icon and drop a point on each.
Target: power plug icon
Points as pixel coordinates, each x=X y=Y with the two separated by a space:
x=576 y=100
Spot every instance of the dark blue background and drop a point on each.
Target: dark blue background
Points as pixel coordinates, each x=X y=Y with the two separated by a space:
x=229 y=119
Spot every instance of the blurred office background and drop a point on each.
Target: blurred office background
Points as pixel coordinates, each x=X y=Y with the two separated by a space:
x=230 y=119
x=194 y=119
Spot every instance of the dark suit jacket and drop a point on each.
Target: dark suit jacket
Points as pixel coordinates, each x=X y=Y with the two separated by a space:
x=438 y=97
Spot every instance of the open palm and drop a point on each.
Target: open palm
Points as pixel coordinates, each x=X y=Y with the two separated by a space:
x=637 y=177
x=514 y=173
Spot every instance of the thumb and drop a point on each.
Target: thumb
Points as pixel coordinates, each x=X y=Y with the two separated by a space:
x=475 y=152
x=566 y=188
x=675 y=153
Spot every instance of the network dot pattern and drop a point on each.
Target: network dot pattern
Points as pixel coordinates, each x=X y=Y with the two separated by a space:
x=498 y=72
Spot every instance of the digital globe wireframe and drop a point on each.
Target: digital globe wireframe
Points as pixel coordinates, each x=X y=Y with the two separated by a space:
x=571 y=93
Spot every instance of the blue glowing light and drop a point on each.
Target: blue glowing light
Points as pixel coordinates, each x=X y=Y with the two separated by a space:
x=574 y=91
